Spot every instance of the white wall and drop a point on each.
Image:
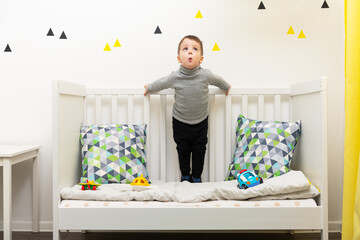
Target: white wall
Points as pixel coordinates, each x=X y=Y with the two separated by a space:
x=255 y=51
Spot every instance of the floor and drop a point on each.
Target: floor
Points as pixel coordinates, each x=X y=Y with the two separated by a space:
x=170 y=236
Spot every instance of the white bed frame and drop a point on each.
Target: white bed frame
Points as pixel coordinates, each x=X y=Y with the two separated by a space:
x=75 y=104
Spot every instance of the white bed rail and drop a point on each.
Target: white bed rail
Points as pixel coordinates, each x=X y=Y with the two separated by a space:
x=104 y=106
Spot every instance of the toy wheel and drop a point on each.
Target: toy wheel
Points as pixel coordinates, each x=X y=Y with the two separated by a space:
x=82 y=187
x=244 y=187
x=261 y=180
x=94 y=188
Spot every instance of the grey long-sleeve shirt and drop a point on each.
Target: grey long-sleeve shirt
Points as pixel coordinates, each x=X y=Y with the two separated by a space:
x=191 y=92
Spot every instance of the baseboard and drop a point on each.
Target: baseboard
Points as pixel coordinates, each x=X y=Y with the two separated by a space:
x=47 y=226
x=26 y=226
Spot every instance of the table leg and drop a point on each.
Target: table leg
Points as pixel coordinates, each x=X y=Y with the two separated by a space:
x=35 y=219
x=7 y=198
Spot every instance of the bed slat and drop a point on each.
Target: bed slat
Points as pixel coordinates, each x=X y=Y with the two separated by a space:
x=228 y=128
x=163 y=137
x=277 y=100
x=211 y=139
x=85 y=112
x=98 y=109
x=147 y=120
x=244 y=105
x=260 y=107
x=130 y=110
x=114 y=103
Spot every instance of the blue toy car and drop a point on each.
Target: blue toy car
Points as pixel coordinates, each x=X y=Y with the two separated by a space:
x=248 y=179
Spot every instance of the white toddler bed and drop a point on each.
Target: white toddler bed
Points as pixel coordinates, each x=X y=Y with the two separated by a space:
x=74 y=105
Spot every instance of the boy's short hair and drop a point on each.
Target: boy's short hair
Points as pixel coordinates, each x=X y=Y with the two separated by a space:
x=194 y=38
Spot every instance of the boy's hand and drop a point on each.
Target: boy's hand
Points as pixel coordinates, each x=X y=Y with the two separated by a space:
x=227 y=92
x=146 y=91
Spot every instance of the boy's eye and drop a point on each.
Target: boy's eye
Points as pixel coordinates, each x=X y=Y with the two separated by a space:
x=185 y=49
x=195 y=49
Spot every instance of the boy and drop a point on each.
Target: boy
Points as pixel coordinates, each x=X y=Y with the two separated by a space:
x=191 y=107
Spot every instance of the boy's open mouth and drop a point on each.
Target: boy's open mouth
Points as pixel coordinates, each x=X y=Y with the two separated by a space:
x=190 y=59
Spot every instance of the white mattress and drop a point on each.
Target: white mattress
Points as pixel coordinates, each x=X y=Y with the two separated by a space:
x=208 y=204
x=292 y=185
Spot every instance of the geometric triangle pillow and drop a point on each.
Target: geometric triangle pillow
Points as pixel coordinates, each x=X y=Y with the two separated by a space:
x=113 y=153
x=265 y=147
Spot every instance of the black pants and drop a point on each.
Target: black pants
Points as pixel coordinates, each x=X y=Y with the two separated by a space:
x=191 y=139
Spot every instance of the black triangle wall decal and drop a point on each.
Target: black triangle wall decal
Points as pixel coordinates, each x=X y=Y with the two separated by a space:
x=7 y=49
x=157 y=31
x=325 y=5
x=50 y=33
x=261 y=6
x=63 y=36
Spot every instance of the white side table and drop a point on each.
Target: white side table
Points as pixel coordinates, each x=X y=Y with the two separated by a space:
x=10 y=155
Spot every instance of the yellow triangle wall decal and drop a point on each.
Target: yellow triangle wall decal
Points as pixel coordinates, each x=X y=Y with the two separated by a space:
x=198 y=15
x=301 y=35
x=291 y=30
x=117 y=43
x=107 y=47
x=216 y=47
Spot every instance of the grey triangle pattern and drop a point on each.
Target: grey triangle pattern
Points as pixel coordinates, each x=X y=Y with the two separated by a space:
x=265 y=147
x=113 y=153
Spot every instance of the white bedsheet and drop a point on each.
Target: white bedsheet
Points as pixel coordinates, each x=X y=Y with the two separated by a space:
x=207 y=204
x=292 y=185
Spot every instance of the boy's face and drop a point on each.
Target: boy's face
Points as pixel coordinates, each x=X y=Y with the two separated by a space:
x=190 y=54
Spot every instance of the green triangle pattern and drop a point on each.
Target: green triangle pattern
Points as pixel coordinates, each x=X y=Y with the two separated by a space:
x=265 y=147
x=113 y=153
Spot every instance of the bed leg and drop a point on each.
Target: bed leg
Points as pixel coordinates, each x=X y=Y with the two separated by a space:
x=56 y=235
x=324 y=234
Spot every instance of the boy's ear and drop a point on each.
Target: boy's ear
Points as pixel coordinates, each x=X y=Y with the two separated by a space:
x=201 y=59
x=179 y=61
